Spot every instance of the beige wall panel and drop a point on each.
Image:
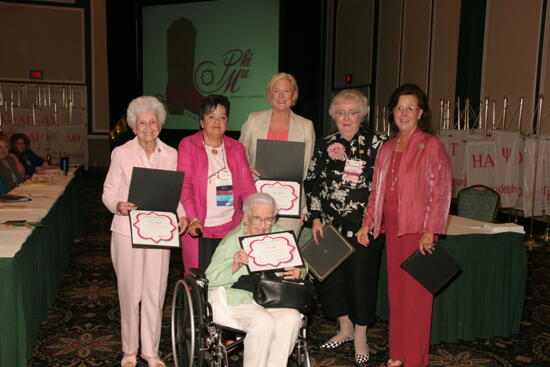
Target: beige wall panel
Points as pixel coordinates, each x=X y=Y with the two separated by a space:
x=416 y=42
x=36 y=37
x=100 y=87
x=545 y=76
x=512 y=30
x=389 y=49
x=444 y=55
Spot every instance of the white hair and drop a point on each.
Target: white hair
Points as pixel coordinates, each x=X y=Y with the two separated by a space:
x=145 y=104
x=349 y=95
x=259 y=198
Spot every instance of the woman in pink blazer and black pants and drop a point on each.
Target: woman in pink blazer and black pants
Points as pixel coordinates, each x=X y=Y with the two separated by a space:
x=142 y=273
x=217 y=179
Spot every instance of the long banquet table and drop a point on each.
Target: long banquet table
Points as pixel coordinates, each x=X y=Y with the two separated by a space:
x=31 y=260
x=486 y=299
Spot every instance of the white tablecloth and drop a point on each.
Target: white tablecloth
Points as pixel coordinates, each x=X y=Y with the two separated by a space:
x=44 y=194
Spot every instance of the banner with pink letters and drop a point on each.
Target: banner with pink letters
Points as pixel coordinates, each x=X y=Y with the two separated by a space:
x=504 y=162
x=54 y=117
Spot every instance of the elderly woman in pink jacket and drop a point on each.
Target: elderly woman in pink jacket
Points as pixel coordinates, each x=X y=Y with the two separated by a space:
x=410 y=199
x=217 y=180
x=142 y=273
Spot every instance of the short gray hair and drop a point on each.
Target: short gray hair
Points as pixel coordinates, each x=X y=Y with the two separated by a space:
x=259 y=198
x=145 y=104
x=352 y=95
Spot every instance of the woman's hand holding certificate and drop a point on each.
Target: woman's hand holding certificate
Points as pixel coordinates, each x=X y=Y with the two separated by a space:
x=271 y=251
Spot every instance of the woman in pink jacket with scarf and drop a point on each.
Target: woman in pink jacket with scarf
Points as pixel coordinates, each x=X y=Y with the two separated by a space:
x=217 y=179
x=410 y=199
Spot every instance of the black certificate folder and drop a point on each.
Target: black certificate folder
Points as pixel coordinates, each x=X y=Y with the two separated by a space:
x=434 y=270
x=323 y=258
x=280 y=160
x=155 y=189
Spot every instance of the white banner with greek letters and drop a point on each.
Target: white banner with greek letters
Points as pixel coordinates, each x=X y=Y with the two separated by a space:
x=455 y=142
x=480 y=163
x=507 y=167
x=49 y=135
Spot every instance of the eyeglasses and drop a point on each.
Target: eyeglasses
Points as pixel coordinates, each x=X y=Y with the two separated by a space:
x=402 y=109
x=347 y=113
x=259 y=220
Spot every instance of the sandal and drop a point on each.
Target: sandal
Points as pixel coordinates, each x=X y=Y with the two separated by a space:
x=153 y=361
x=392 y=363
x=129 y=360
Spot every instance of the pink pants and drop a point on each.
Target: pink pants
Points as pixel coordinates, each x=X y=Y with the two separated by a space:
x=410 y=303
x=142 y=275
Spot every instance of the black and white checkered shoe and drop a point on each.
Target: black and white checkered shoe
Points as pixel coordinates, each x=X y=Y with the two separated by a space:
x=361 y=359
x=333 y=345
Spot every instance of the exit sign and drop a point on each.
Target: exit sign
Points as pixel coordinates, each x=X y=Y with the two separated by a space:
x=37 y=74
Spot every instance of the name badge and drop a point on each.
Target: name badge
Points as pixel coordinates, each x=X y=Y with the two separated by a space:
x=224 y=189
x=352 y=171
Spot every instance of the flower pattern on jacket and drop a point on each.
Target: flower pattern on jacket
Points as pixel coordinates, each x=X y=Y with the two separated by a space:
x=328 y=197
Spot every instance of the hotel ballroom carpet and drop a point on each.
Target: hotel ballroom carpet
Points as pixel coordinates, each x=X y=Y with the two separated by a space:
x=82 y=327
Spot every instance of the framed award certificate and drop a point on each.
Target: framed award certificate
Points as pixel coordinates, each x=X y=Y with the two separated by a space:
x=154 y=229
x=271 y=251
x=287 y=195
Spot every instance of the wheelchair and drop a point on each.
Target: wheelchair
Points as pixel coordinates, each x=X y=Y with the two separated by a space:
x=197 y=340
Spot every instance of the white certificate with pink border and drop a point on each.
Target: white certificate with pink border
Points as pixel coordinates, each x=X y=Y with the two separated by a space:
x=271 y=251
x=154 y=229
x=285 y=193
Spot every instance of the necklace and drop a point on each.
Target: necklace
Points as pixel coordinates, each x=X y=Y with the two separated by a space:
x=213 y=150
x=394 y=172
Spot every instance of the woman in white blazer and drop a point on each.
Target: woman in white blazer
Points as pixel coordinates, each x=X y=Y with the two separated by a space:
x=279 y=123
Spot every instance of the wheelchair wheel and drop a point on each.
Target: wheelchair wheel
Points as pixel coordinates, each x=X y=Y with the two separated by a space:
x=299 y=356
x=187 y=319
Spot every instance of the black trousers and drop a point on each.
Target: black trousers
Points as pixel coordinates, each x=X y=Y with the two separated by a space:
x=207 y=247
x=352 y=288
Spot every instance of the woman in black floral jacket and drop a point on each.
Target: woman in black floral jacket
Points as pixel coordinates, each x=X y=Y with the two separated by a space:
x=337 y=191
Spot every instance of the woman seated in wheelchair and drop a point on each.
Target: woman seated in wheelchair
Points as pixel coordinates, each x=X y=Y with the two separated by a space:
x=270 y=333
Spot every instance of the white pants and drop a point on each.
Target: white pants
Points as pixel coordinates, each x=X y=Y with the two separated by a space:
x=270 y=333
x=142 y=275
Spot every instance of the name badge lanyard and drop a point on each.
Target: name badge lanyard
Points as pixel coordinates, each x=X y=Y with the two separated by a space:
x=224 y=184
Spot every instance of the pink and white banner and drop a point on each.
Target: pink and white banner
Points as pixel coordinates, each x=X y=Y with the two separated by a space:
x=455 y=142
x=506 y=164
x=508 y=156
x=50 y=132
x=480 y=163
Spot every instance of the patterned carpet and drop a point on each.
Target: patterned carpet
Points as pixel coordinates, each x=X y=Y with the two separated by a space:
x=82 y=328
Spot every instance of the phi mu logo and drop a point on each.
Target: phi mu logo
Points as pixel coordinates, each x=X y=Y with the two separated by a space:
x=224 y=76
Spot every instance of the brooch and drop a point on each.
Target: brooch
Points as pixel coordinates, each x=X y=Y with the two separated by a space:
x=421 y=146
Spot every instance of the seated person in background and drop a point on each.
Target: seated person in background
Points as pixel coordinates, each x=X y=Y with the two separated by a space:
x=270 y=333
x=9 y=173
x=21 y=148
